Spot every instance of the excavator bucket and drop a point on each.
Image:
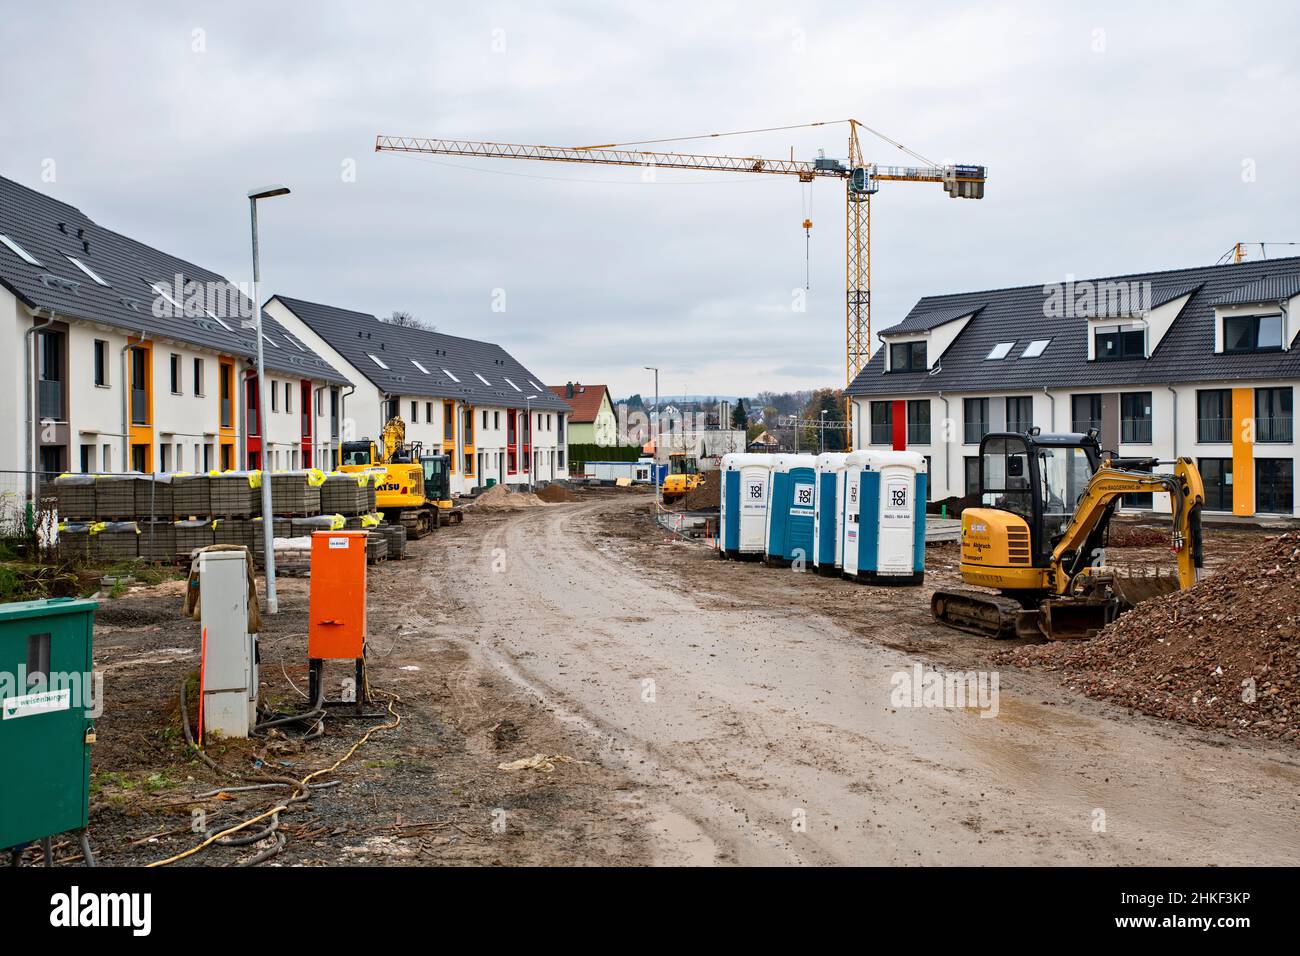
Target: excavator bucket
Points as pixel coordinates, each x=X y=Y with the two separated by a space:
x=1133 y=590
x=1074 y=619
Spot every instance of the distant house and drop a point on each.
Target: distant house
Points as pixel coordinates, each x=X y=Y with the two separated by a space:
x=764 y=443
x=593 y=421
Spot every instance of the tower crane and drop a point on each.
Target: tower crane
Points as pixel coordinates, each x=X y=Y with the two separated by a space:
x=861 y=181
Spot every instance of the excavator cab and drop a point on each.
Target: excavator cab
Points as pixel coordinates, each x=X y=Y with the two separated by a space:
x=1040 y=478
x=437 y=478
x=357 y=453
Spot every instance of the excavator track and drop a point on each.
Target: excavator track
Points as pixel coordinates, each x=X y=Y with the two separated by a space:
x=980 y=612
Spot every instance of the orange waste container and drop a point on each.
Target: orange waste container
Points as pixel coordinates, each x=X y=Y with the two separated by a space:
x=337 y=607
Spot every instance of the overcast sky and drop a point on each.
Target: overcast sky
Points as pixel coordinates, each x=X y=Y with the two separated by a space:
x=1117 y=139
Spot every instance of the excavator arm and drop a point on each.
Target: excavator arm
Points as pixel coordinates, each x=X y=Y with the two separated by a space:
x=1072 y=554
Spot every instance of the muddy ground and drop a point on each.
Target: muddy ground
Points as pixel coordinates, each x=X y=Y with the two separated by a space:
x=714 y=712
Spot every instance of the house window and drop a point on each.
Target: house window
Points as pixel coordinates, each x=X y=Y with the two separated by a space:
x=485 y=419
x=918 y=422
x=164 y=457
x=1020 y=413
x=1213 y=415
x=175 y=369
x=1119 y=342
x=101 y=363
x=496 y=419
x=415 y=412
x=87 y=459
x=1085 y=413
x=1274 y=486
x=288 y=399
x=428 y=413
x=1140 y=499
x=972 y=463
x=198 y=376
x=882 y=423
x=1135 y=417
x=1216 y=475
x=907 y=357
x=975 y=419
x=1273 y=415
x=1252 y=333
x=275 y=395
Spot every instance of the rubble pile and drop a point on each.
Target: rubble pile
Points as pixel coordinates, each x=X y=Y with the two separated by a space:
x=1223 y=654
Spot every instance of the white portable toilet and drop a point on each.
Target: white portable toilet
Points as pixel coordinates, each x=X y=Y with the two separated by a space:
x=791 y=506
x=828 y=519
x=884 y=517
x=742 y=519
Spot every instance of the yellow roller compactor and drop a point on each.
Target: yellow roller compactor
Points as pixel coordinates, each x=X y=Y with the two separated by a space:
x=1039 y=537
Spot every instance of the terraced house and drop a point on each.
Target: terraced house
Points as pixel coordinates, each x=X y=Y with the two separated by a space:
x=471 y=399
x=1199 y=362
x=124 y=357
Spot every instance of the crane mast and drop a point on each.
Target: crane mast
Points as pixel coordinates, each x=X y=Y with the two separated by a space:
x=861 y=181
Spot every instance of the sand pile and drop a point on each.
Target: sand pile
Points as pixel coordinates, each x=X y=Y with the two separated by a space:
x=555 y=494
x=1224 y=654
x=707 y=495
x=501 y=498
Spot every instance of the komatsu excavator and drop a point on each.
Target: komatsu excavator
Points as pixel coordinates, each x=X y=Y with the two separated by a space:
x=415 y=489
x=1039 y=537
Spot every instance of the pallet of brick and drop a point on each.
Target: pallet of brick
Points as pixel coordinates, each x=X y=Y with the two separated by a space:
x=235 y=494
x=293 y=556
x=376 y=548
x=112 y=542
x=153 y=497
x=232 y=531
x=158 y=541
x=115 y=497
x=280 y=528
x=306 y=527
x=74 y=541
x=192 y=534
x=344 y=493
x=395 y=535
x=372 y=486
x=190 y=497
x=296 y=493
x=363 y=522
x=74 y=497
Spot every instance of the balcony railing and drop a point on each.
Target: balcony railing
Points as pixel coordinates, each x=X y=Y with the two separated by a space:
x=1082 y=425
x=50 y=399
x=250 y=416
x=227 y=420
x=1019 y=427
x=918 y=434
x=973 y=432
x=1214 y=430
x=1273 y=430
x=1135 y=430
x=882 y=434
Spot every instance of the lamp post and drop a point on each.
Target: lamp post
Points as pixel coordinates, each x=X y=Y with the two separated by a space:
x=821 y=437
x=528 y=424
x=654 y=437
x=268 y=514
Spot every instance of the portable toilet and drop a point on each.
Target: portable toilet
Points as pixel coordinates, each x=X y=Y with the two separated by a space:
x=743 y=513
x=828 y=518
x=792 y=500
x=884 y=517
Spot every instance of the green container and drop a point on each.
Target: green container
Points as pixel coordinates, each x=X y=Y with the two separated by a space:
x=44 y=729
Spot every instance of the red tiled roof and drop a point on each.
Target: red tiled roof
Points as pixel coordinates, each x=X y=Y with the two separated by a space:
x=585 y=400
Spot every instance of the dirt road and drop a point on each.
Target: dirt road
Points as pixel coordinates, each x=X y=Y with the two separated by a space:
x=761 y=731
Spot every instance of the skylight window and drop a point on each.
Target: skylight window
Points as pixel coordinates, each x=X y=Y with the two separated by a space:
x=534 y=385
x=512 y=385
x=270 y=341
x=1001 y=350
x=20 y=252
x=295 y=343
x=1035 y=348
x=419 y=366
x=377 y=360
x=483 y=380
x=450 y=376
x=160 y=289
x=217 y=319
x=87 y=270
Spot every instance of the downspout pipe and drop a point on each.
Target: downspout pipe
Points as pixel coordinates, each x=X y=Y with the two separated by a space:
x=947 y=445
x=29 y=372
x=1174 y=393
x=1051 y=421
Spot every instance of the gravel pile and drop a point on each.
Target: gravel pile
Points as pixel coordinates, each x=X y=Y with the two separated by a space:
x=556 y=494
x=1223 y=654
x=501 y=498
x=707 y=495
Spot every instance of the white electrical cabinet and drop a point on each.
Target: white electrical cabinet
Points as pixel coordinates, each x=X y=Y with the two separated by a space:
x=229 y=678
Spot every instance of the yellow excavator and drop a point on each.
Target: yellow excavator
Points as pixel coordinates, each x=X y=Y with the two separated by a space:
x=415 y=490
x=683 y=476
x=1039 y=537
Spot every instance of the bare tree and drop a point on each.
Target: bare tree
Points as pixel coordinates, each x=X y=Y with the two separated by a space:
x=408 y=321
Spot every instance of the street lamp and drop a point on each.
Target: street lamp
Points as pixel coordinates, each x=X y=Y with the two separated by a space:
x=654 y=437
x=268 y=515
x=528 y=424
x=821 y=437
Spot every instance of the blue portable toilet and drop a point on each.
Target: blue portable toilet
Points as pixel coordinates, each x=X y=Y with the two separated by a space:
x=792 y=502
x=884 y=517
x=828 y=520
x=742 y=521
